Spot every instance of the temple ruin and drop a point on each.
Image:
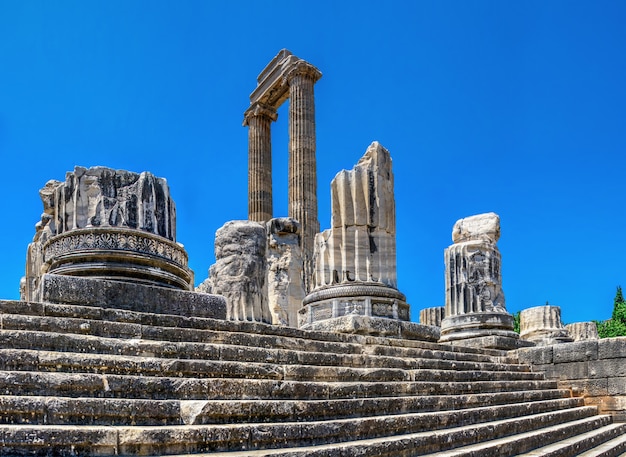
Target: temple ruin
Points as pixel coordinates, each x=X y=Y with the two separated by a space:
x=285 y=77
x=299 y=342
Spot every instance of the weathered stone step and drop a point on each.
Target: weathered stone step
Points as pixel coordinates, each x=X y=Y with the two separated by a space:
x=612 y=448
x=49 y=341
x=444 y=442
x=110 y=322
x=30 y=360
x=110 y=411
x=153 y=387
x=400 y=435
x=607 y=441
x=529 y=443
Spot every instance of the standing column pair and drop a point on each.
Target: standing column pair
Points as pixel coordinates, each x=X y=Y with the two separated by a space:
x=285 y=77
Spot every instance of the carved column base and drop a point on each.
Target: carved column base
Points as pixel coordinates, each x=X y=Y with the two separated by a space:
x=120 y=254
x=370 y=300
x=492 y=330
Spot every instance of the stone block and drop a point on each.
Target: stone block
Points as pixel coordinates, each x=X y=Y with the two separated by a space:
x=128 y=296
x=365 y=325
x=612 y=348
x=616 y=385
x=607 y=368
x=575 y=352
x=566 y=371
x=536 y=355
x=586 y=387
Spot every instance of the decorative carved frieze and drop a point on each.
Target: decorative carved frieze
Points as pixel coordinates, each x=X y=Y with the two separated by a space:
x=107 y=224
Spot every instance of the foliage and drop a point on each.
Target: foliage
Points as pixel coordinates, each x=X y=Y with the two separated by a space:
x=516 y=317
x=616 y=326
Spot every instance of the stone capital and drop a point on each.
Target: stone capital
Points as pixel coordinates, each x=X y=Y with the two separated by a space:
x=259 y=109
x=302 y=68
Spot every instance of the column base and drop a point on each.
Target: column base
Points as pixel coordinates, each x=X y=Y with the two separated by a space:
x=494 y=329
x=376 y=326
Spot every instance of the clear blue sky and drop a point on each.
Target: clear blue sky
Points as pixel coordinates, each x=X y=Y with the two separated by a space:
x=513 y=107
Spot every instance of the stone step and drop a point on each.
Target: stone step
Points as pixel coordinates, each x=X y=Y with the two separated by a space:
x=612 y=448
x=153 y=387
x=32 y=360
x=398 y=435
x=50 y=341
x=108 y=322
x=607 y=441
x=562 y=438
x=111 y=411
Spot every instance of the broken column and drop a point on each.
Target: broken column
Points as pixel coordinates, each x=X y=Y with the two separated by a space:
x=285 y=288
x=432 y=316
x=475 y=312
x=239 y=271
x=108 y=238
x=582 y=331
x=355 y=285
x=542 y=326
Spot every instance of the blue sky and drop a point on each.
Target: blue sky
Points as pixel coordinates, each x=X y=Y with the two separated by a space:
x=513 y=107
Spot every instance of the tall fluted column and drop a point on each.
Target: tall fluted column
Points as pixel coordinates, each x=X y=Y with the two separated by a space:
x=302 y=162
x=258 y=118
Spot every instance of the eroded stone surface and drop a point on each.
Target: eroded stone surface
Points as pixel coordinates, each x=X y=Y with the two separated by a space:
x=239 y=272
x=432 y=316
x=106 y=223
x=582 y=331
x=474 y=282
x=361 y=245
x=285 y=287
x=542 y=325
x=355 y=260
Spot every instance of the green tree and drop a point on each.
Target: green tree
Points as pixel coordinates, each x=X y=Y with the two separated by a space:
x=516 y=317
x=616 y=326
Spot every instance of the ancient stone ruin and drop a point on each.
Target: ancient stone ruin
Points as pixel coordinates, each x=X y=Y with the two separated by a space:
x=475 y=312
x=111 y=352
x=542 y=325
x=285 y=77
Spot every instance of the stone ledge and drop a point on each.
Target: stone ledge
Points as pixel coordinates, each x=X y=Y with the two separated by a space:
x=73 y=290
x=505 y=343
x=376 y=326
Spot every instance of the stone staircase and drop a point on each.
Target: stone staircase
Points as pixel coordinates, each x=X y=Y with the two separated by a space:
x=83 y=380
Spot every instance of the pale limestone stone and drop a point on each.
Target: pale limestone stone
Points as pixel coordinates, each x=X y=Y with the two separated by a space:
x=361 y=245
x=582 y=331
x=475 y=305
x=432 y=316
x=239 y=272
x=542 y=325
x=285 y=286
x=355 y=260
x=480 y=227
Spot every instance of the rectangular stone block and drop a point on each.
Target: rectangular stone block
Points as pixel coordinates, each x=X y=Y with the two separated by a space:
x=612 y=348
x=536 y=356
x=565 y=371
x=586 y=387
x=616 y=386
x=74 y=290
x=607 y=368
x=575 y=352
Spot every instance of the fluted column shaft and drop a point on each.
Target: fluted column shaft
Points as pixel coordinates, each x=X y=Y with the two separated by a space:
x=258 y=118
x=302 y=162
